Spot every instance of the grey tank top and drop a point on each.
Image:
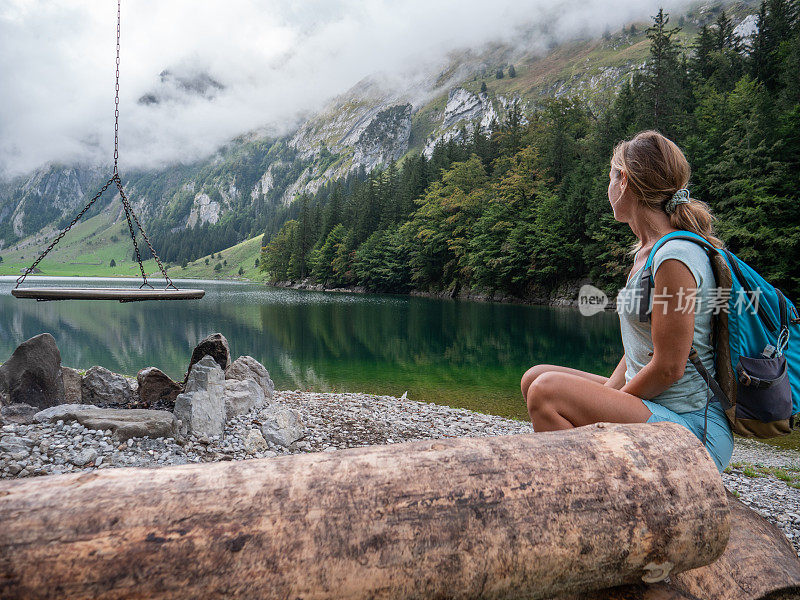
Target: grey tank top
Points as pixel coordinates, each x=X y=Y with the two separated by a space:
x=690 y=392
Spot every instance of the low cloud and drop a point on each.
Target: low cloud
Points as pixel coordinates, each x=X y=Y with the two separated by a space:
x=274 y=61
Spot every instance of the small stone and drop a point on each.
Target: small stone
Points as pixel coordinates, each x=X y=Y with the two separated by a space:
x=281 y=426
x=254 y=442
x=84 y=457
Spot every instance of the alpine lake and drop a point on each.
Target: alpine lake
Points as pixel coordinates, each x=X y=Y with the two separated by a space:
x=460 y=353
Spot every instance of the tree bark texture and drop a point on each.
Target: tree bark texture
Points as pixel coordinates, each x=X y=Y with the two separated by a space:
x=759 y=563
x=519 y=516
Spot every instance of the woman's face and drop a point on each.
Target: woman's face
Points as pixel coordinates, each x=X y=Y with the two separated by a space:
x=617 y=196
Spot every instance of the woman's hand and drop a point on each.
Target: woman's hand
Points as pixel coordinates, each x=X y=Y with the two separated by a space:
x=617 y=379
x=672 y=330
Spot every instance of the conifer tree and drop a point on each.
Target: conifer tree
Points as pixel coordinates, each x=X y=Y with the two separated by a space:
x=703 y=47
x=663 y=81
x=511 y=131
x=724 y=34
x=512 y=72
x=483 y=87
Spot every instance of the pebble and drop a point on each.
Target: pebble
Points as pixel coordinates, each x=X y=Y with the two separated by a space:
x=346 y=420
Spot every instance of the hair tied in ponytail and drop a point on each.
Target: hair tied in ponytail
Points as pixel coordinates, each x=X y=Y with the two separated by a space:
x=679 y=197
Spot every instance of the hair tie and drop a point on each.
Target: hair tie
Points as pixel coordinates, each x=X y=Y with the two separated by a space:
x=679 y=197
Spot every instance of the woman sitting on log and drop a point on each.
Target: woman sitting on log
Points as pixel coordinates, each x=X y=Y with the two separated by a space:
x=654 y=380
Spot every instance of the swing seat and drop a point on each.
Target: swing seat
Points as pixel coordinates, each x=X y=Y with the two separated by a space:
x=121 y=294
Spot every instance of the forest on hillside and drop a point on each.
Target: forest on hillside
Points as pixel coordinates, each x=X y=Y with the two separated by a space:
x=525 y=208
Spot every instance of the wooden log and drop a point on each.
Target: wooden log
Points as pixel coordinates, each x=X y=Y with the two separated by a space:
x=533 y=516
x=759 y=563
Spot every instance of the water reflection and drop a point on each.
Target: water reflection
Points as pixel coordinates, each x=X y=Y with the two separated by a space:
x=461 y=353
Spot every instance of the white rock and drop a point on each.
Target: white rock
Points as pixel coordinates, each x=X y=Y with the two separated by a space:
x=254 y=442
x=281 y=426
x=241 y=397
x=201 y=408
x=84 y=457
x=247 y=367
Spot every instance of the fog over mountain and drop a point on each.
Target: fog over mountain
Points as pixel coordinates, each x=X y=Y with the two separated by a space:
x=196 y=74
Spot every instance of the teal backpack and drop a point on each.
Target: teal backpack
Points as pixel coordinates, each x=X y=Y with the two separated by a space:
x=756 y=344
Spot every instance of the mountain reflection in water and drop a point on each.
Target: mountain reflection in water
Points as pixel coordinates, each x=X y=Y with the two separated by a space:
x=461 y=353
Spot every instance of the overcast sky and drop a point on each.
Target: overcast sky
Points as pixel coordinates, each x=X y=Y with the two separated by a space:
x=277 y=59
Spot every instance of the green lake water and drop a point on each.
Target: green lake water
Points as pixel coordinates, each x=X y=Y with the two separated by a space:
x=460 y=353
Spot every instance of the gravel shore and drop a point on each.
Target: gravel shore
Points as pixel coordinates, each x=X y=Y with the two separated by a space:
x=759 y=474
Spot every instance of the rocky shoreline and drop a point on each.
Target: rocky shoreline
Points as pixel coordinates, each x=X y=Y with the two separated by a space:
x=565 y=295
x=68 y=438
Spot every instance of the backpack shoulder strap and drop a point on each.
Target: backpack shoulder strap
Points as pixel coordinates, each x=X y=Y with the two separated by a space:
x=647 y=282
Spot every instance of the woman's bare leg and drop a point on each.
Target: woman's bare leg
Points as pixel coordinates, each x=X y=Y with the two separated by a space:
x=559 y=400
x=531 y=374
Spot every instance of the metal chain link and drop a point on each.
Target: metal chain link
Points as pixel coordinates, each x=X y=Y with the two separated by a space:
x=116 y=95
x=128 y=211
x=30 y=269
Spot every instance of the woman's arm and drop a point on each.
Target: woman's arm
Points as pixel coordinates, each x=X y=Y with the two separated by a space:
x=617 y=379
x=672 y=330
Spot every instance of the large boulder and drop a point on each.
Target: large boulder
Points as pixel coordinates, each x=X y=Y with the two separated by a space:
x=124 y=423
x=281 y=425
x=22 y=414
x=62 y=412
x=32 y=375
x=201 y=407
x=241 y=397
x=157 y=389
x=215 y=346
x=247 y=367
x=72 y=385
x=101 y=386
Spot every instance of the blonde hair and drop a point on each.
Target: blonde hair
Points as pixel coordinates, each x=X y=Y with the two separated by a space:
x=656 y=169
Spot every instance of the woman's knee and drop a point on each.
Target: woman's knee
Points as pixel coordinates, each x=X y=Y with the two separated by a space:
x=532 y=375
x=542 y=390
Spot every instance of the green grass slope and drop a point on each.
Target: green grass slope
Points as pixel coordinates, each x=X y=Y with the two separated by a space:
x=89 y=247
x=242 y=255
x=87 y=250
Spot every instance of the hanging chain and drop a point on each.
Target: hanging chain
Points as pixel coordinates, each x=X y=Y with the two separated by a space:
x=115 y=179
x=30 y=269
x=116 y=94
x=161 y=268
x=127 y=208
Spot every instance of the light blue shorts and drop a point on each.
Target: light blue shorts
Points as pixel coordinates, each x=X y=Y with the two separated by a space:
x=719 y=439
